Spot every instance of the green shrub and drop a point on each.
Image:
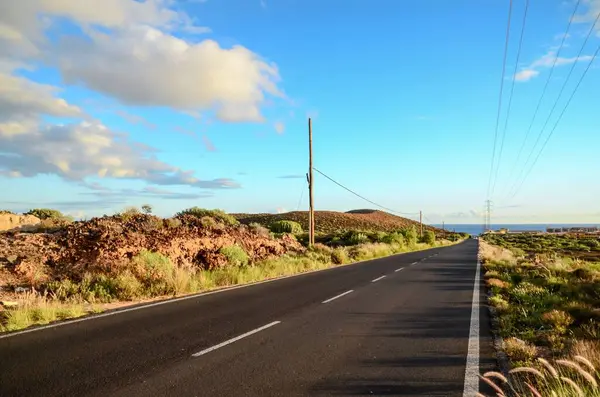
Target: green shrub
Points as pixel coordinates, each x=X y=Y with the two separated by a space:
x=356 y=238
x=156 y=272
x=429 y=237
x=208 y=222
x=394 y=238
x=410 y=235
x=339 y=256
x=45 y=213
x=216 y=214
x=129 y=213
x=286 y=227
x=236 y=256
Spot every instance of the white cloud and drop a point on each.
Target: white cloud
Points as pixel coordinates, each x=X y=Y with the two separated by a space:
x=202 y=76
x=279 y=127
x=78 y=151
x=590 y=15
x=125 y=44
x=526 y=75
x=23 y=99
x=547 y=61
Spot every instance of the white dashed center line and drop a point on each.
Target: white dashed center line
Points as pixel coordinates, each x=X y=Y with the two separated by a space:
x=377 y=279
x=215 y=347
x=337 y=296
x=397 y=270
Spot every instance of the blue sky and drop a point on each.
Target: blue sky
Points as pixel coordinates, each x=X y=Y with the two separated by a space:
x=183 y=103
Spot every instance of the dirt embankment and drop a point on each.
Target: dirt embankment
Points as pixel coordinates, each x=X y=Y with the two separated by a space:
x=10 y=221
x=332 y=222
x=107 y=245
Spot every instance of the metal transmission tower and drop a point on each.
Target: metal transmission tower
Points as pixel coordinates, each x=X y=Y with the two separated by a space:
x=488 y=216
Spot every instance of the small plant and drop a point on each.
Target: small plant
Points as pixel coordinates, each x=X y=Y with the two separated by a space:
x=173 y=223
x=286 y=227
x=208 y=222
x=356 y=238
x=45 y=213
x=129 y=213
x=147 y=209
x=429 y=237
x=219 y=215
x=494 y=282
x=410 y=235
x=519 y=350
x=339 y=256
x=236 y=256
x=259 y=229
x=394 y=238
x=558 y=319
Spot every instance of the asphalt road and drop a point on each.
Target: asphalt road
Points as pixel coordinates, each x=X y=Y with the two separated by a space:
x=405 y=334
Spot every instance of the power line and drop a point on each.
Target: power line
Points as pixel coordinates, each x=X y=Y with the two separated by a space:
x=301 y=196
x=362 y=197
x=510 y=97
x=559 y=119
x=500 y=97
x=573 y=65
x=539 y=103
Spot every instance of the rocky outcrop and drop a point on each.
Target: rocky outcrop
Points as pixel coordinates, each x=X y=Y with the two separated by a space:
x=107 y=245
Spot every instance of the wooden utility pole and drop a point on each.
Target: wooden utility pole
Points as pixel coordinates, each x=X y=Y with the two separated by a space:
x=311 y=212
x=421 y=222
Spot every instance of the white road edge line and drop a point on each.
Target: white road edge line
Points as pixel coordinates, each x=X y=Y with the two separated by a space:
x=337 y=296
x=377 y=279
x=472 y=369
x=397 y=270
x=183 y=298
x=227 y=342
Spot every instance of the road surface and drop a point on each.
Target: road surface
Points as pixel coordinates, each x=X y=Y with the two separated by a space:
x=405 y=325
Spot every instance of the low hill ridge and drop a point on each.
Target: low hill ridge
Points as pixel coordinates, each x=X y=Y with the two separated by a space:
x=333 y=221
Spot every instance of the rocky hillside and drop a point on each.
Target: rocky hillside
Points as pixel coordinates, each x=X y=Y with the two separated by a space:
x=331 y=221
x=106 y=245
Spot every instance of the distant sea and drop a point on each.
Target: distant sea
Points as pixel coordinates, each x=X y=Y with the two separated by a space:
x=478 y=228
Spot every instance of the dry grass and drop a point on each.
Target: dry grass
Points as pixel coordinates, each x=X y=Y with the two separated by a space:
x=562 y=378
x=488 y=252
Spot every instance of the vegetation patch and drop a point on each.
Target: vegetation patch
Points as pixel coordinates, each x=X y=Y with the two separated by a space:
x=218 y=215
x=548 y=309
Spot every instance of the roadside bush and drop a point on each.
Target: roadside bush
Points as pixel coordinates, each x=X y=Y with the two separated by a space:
x=410 y=235
x=236 y=256
x=519 y=351
x=394 y=238
x=558 y=319
x=219 y=215
x=356 y=238
x=155 y=271
x=339 y=256
x=429 y=237
x=378 y=237
x=286 y=227
x=45 y=213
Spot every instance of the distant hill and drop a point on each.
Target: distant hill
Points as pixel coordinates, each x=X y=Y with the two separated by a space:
x=332 y=221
